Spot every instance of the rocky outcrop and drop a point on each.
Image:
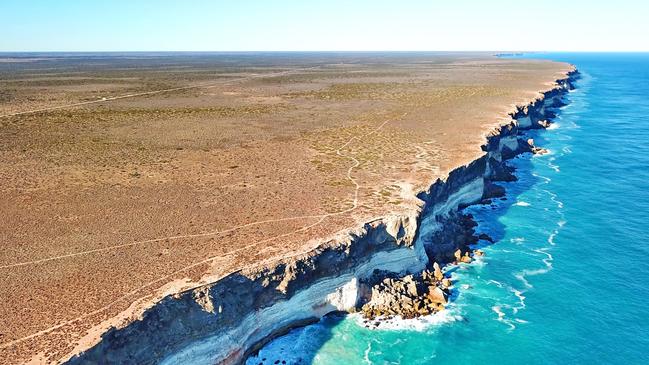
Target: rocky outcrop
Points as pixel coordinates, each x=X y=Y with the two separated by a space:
x=408 y=297
x=223 y=322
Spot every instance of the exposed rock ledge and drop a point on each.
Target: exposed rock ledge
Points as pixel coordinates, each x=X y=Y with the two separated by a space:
x=409 y=297
x=225 y=321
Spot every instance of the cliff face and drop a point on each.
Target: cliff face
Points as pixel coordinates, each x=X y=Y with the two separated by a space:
x=225 y=321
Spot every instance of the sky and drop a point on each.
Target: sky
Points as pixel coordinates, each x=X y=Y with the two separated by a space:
x=329 y=25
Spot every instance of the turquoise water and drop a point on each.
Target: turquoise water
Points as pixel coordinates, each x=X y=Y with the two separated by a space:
x=568 y=278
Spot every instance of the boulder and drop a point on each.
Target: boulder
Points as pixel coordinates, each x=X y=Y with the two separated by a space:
x=466 y=258
x=411 y=289
x=437 y=272
x=426 y=275
x=539 y=151
x=436 y=295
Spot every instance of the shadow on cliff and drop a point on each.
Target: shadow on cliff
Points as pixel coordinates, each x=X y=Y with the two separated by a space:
x=499 y=207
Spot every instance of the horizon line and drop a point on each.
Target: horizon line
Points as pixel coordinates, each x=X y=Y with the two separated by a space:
x=320 y=51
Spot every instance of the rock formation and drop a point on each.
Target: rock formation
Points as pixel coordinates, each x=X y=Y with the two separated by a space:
x=408 y=297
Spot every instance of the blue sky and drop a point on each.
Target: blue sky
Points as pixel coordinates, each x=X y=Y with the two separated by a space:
x=240 y=25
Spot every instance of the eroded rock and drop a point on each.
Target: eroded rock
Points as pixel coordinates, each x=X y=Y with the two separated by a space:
x=409 y=297
x=466 y=258
x=437 y=272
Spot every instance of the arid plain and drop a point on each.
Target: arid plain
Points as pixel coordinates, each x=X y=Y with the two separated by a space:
x=129 y=177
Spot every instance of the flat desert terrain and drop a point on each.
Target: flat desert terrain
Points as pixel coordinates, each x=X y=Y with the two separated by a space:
x=128 y=177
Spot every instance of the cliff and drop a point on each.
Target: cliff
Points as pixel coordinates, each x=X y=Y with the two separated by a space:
x=225 y=321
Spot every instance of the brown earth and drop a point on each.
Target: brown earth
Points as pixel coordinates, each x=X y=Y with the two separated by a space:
x=108 y=205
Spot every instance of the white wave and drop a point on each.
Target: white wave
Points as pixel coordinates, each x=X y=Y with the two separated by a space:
x=291 y=347
x=419 y=324
x=554 y=198
x=548 y=259
x=545 y=179
x=554 y=167
x=551 y=238
x=574 y=125
x=517 y=240
x=566 y=149
x=366 y=355
x=554 y=125
x=521 y=277
x=555 y=232
x=501 y=317
x=497 y=283
x=500 y=313
x=478 y=261
x=535 y=272
x=522 y=204
x=521 y=299
x=519 y=252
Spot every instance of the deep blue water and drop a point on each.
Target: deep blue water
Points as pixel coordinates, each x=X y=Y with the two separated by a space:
x=568 y=278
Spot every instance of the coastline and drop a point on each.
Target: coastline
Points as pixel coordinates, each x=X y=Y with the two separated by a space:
x=305 y=287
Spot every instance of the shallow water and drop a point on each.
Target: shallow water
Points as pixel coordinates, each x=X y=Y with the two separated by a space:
x=568 y=278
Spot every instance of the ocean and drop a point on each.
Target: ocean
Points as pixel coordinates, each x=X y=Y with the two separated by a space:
x=567 y=280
